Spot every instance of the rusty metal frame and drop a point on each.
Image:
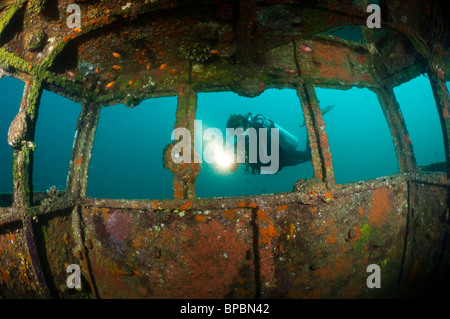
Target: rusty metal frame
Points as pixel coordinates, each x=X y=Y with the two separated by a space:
x=81 y=153
x=22 y=139
x=320 y=148
x=397 y=127
x=442 y=98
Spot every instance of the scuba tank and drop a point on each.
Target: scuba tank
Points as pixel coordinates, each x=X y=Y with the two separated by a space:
x=287 y=140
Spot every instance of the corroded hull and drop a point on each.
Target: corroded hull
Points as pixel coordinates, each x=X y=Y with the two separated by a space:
x=293 y=245
x=314 y=242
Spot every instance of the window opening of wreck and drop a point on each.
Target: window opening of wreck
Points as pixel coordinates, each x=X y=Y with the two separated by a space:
x=55 y=129
x=360 y=141
x=127 y=156
x=346 y=32
x=352 y=33
x=283 y=108
x=419 y=110
x=11 y=91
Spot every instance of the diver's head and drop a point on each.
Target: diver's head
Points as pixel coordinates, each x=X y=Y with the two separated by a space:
x=237 y=120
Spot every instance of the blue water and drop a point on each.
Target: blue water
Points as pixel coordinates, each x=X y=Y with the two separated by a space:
x=127 y=154
x=281 y=106
x=360 y=142
x=127 y=158
x=10 y=96
x=422 y=120
x=346 y=32
x=55 y=131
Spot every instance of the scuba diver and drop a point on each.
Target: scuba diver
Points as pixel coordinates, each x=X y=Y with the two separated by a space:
x=287 y=143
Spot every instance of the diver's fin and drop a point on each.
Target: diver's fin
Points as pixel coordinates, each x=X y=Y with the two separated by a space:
x=324 y=111
x=328 y=109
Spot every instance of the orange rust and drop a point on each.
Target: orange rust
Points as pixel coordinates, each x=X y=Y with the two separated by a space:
x=242 y=204
x=358 y=234
x=253 y=205
x=178 y=190
x=79 y=160
x=268 y=233
x=261 y=215
x=282 y=207
x=163 y=66
x=320 y=231
x=110 y=84
x=230 y=213
x=379 y=209
x=291 y=231
x=117 y=67
x=116 y=55
x=200 y=218
x=105 y=213
x=332 y=239
x=186 y=205
x=155 y=204
x=137 y=241
x=138 y=273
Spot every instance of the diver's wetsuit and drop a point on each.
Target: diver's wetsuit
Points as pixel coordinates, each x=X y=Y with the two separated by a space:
x=287 y=156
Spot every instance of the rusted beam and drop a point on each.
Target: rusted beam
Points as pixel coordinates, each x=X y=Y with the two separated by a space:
x=21 y=138
x=34 y=254
x=442 y=98
x=77 y=179
x=268 y=200
x=7 y=216
x=402 y=143
x=185 y=174
x=320 y=148
x=80 y=251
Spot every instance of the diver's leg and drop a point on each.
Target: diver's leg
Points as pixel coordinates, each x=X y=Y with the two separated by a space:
x=308 y=146
x=297 y=157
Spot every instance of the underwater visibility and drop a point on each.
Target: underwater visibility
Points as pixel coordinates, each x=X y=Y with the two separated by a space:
x=224 y=150
x=129 y=143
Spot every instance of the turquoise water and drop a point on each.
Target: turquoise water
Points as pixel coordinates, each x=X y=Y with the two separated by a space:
x=360 y=142
x=281 y=106
x=127 y=158
x=422 y=120
x=10 y=96
x=55 y=131
x=127 y=154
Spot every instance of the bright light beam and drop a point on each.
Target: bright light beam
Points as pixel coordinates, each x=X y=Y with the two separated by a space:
x=222 y=158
